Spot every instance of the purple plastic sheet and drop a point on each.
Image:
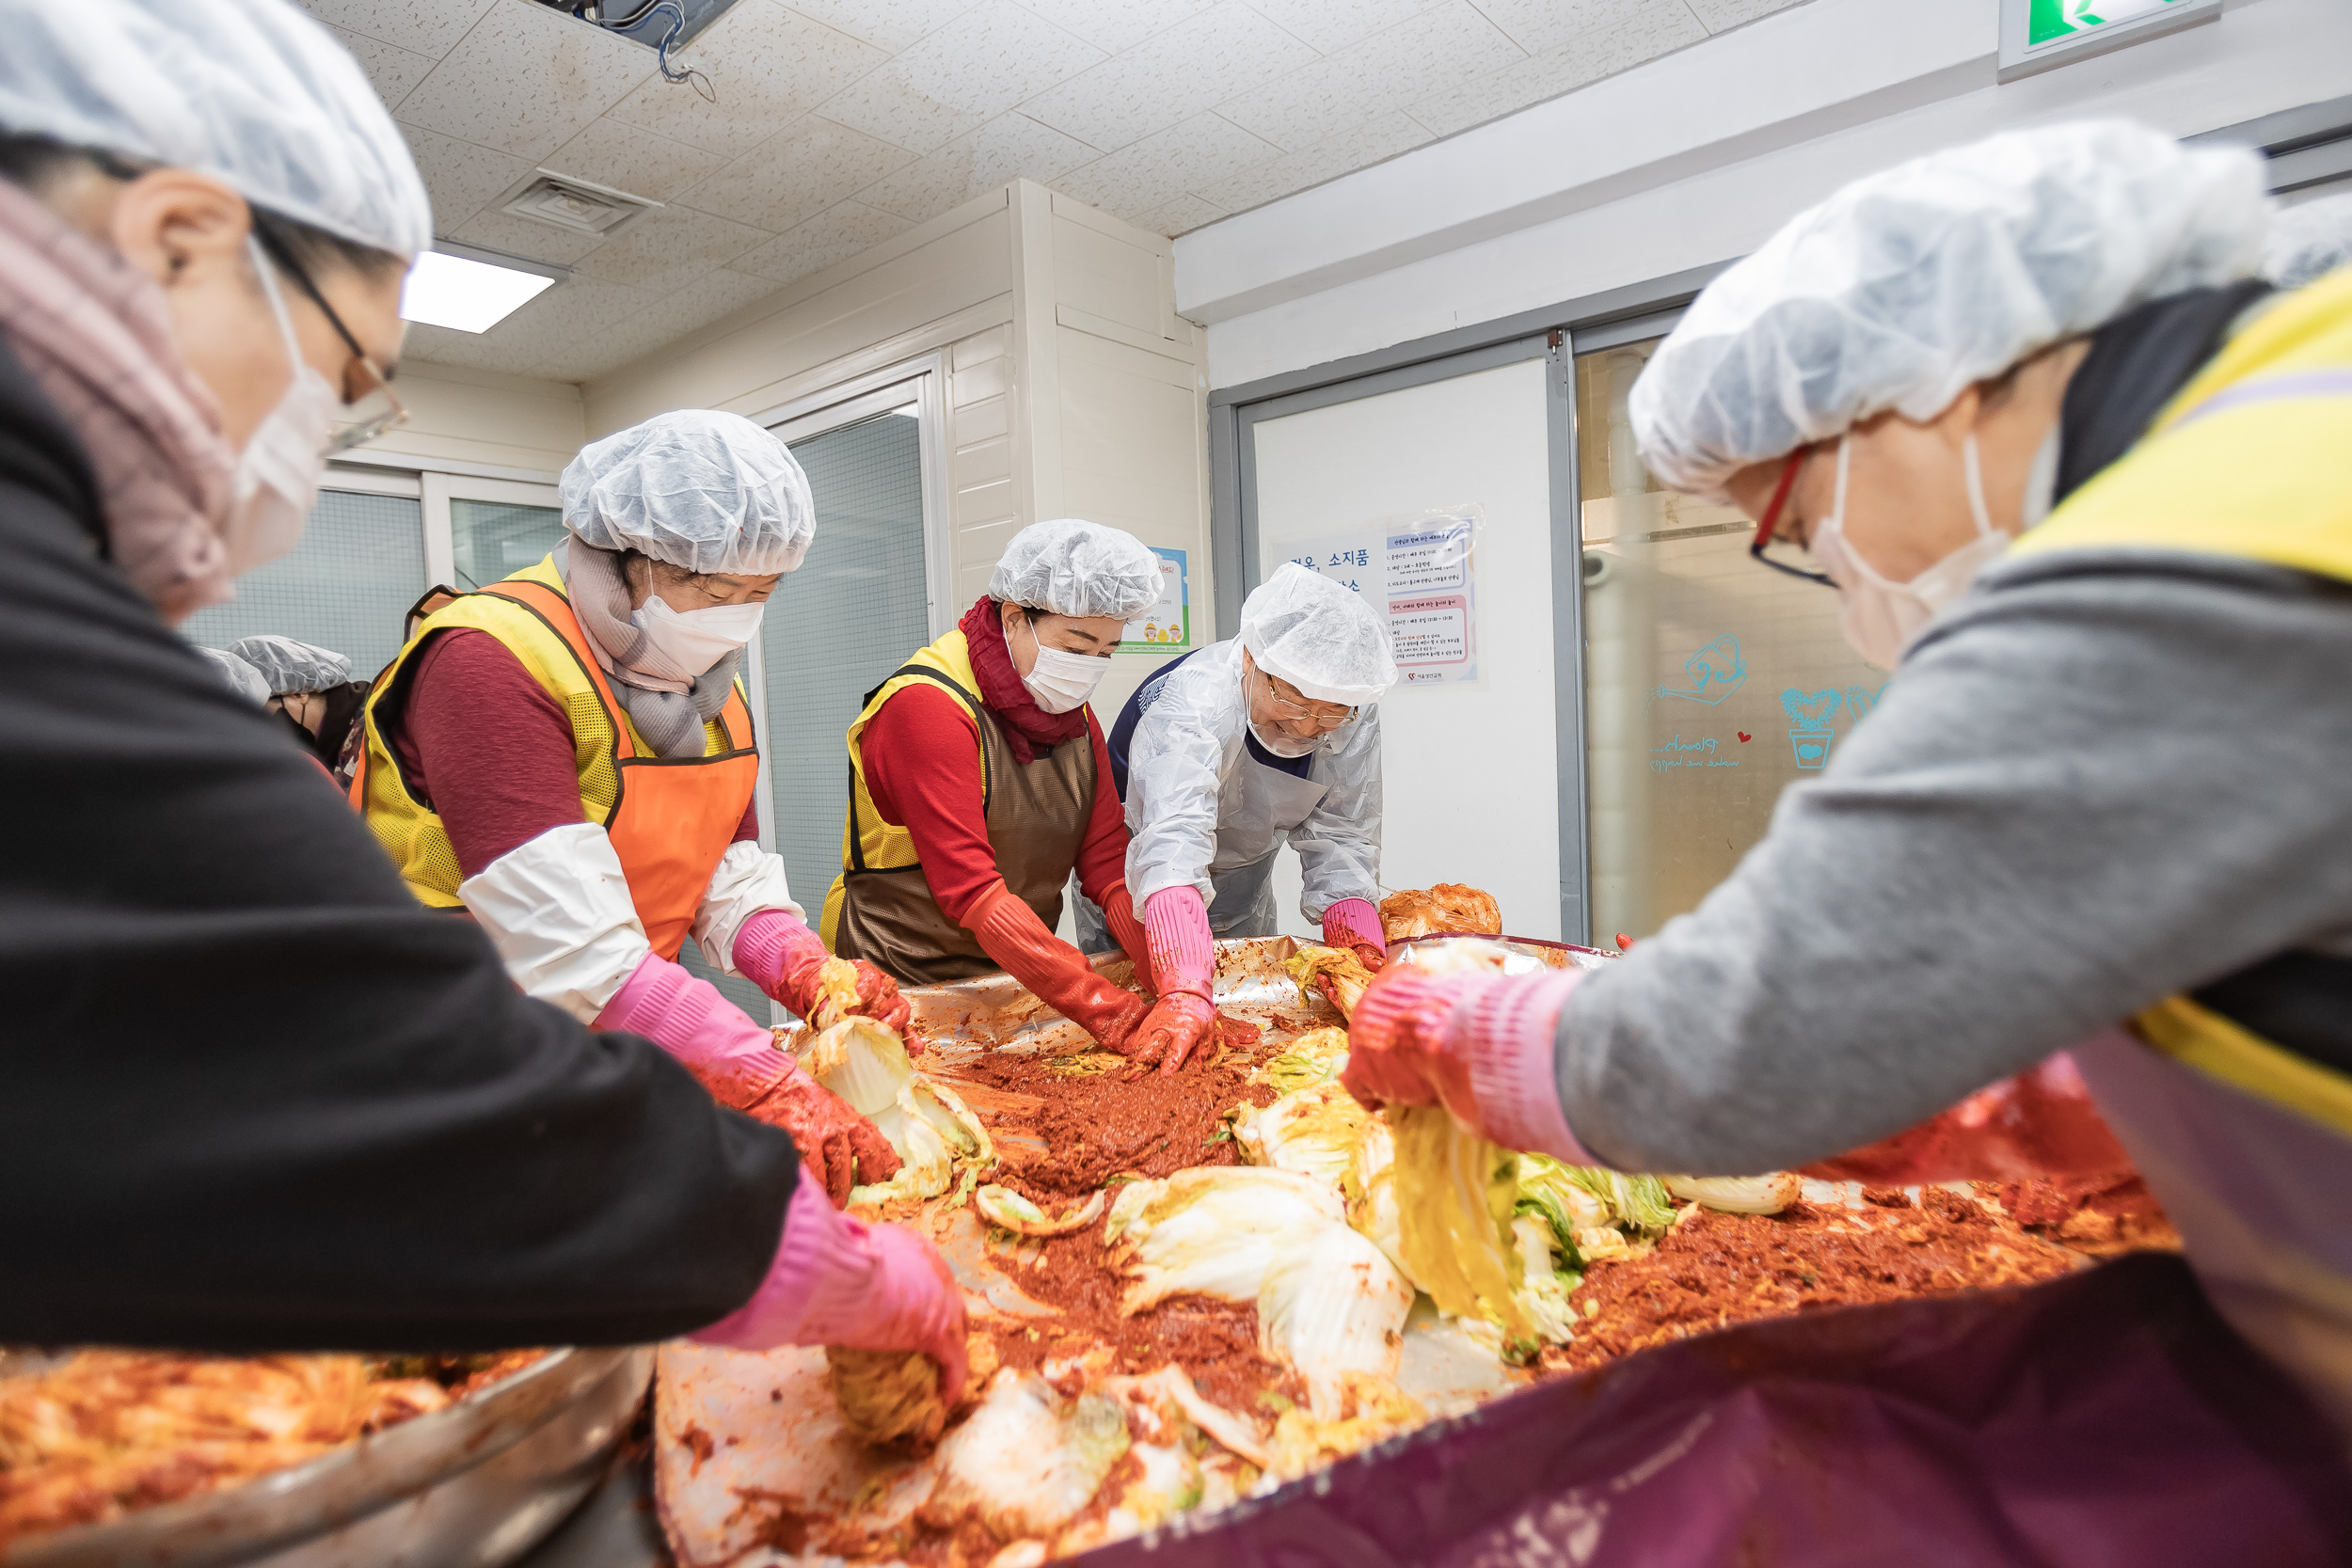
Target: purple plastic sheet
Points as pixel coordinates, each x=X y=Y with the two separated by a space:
x=2108 y=1419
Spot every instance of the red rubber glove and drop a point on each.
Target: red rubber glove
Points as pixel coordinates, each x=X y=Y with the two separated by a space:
x=1119 y=914
x=1479 y=1044
x=781 y=957
x=1355 y=923
x=739 y=1063
x=1183 y=961
x=1009 y=931
x=839 y=1281
x=2040 y=1124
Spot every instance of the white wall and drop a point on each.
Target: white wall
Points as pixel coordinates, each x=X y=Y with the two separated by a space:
x=481 y=419
x=1691 y=160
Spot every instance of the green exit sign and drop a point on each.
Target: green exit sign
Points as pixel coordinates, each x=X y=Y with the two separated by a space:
x=2037 y=35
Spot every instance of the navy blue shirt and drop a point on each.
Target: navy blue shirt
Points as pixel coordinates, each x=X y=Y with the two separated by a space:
x=1123 y=733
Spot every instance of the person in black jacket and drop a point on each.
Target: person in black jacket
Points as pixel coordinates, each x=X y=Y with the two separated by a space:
x=251 y=1095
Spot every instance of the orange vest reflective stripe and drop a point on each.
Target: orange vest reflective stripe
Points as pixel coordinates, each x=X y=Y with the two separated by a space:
x=670 y=818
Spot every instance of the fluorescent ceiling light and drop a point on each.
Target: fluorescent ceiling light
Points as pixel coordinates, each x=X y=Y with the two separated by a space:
x=471 y=292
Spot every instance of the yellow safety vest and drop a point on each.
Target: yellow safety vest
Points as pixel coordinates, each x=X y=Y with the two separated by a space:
x=2251 y=460
x=680 y=812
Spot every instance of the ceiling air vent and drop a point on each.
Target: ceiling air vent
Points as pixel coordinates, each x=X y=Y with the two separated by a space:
x=580 y=205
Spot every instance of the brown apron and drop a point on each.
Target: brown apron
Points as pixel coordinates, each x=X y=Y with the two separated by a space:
x=1037 y=815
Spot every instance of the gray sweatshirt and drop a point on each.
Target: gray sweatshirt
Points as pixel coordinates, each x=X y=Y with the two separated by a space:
x=2103 y=778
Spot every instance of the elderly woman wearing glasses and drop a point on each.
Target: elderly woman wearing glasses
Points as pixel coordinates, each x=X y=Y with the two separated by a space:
x=1228 y=754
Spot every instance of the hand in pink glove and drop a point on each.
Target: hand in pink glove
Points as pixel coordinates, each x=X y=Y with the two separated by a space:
x=1184 y=959
x=739 y=1063
x=1355 y=923
x=1009 y=931
x=782 y=957
x=1479 y=1044
x=839 y=1281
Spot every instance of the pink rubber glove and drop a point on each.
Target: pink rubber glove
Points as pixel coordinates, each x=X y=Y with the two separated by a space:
x=781 y=957
x=839 y=1281
x=739 y=1063
x=1183 y=961
x=1354 y=923
x=1479 y=1044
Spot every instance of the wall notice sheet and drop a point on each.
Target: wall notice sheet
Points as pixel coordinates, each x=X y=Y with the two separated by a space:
x=1166 y=626
x=1419 y=571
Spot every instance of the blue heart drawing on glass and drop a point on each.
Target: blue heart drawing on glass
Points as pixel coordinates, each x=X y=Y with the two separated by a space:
x=1714 y=672
x=1815 y=714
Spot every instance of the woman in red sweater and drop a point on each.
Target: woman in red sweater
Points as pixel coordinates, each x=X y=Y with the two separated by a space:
x=979 y=782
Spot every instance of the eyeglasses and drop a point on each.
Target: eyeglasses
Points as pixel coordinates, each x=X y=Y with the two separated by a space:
x=1322 y=718
x=376 y=408
x=1768 y=527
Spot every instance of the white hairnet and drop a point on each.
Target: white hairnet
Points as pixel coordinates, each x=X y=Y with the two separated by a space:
x=250 y=91
x=702 y=490
x=2309 y=239
x=1905 y=287
x=241 y=677
x=1072 y=567
x=1302 y=627
x=291 y=666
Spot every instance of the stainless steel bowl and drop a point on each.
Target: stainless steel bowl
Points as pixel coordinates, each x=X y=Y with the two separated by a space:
x=472 y=1486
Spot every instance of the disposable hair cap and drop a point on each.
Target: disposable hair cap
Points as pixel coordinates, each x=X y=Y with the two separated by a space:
x=287 y=665
x=1072 y=567
x=1302 y=627
x=701 y=490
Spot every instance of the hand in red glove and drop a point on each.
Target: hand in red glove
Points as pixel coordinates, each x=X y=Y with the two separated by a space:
x=1354 y=923
x=1119 y=914
x=1183 y=963
x=839 y=1281
x=783 y=957
x=1009 y=931
x=1480 y=1044
x=739 y=1063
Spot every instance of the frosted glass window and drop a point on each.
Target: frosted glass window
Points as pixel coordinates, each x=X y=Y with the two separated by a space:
x=360 y=566
x=1711 y=682
x=838 y=627
x=489 y=539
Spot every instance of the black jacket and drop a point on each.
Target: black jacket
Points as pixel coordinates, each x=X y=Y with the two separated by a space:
x=253 y=1096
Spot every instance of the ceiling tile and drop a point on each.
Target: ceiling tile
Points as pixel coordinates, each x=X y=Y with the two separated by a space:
x=768 y=66
x=526 y=81
x=669 y=249
x=1440 y=49
x=394 y=71
x=539 y=242
x=1147 y=175
x=961 y=77
x=796 y=174
x=1640 y=27
x=1115 y=24
x=659 y=319
x=1722 y=15
x=891 y=25
x=1383 y=136
x=1011 y=146
x=430 y=27
x=459 y=175
x=634 y=161
x=1330 y=26
x=1181 y=215
x=836 y=235
x=554 y=320
x=1603 y=52
x=1222 y=52
x=439 y=345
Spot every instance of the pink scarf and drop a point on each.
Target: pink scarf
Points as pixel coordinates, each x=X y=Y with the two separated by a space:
x=94 y=333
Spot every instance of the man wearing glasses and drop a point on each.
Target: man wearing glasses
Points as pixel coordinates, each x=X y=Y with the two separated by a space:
x=1228 y=754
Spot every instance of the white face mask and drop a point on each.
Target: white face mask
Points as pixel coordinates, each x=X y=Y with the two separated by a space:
x=695 y=640
x=1284 y=745
x=1060 y=680
x=1879 y=618
x=277 y=473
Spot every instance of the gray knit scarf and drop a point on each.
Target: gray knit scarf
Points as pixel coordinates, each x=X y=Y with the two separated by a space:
x=668 y=706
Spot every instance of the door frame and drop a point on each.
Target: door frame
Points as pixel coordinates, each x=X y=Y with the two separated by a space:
x=440 y=489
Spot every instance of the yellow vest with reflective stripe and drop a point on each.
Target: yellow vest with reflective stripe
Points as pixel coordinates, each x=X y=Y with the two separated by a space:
x=2251 y=460
x=868 y=842
x=410 y=830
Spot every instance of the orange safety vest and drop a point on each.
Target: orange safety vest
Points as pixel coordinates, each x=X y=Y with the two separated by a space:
x=670 y=818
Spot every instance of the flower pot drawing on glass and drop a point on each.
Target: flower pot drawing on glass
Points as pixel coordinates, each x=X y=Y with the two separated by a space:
x=1813 y=720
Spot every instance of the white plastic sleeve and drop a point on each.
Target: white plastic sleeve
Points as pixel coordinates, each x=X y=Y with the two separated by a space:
x=558 y=912
x=747 y=880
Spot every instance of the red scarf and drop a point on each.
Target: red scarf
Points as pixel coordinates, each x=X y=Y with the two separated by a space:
x=1028 y=725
